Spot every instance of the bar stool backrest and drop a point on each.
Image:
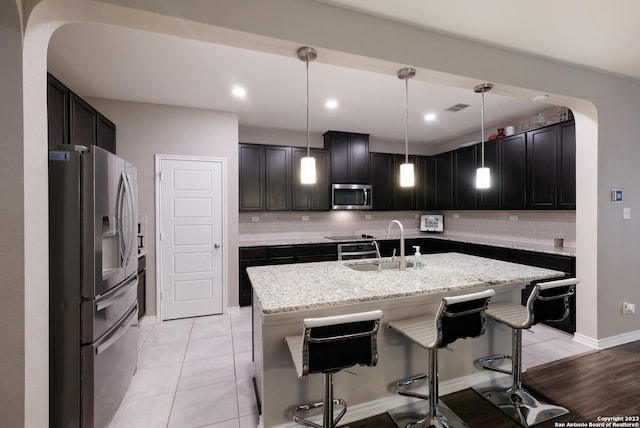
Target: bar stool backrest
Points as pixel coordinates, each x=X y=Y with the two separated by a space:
x=549 y=301
x=331 y=344
x=460 y=317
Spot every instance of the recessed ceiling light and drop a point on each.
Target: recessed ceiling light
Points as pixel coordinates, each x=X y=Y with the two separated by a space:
x=239 y=91
x=429 y=117
x=331 y=104
x=540 y=98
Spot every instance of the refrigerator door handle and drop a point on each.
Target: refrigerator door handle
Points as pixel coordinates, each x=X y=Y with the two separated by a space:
x=115 y=295
x=120 y=214
x=116 y=334
x=132 y=221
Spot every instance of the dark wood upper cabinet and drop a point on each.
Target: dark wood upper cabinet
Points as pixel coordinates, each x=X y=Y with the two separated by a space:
x=278 y=178
x=106 y=134
x=464 y=182
x=349 y=157
x=443 y=164
x=82 y=124
x=71 y=120
x=566 y=165
x=425 y=192
x=382 y=166
x=513 y=180
x=489 y=199
x=57 y=111
x=251 y=166
x=542 y=168
x=312 y=197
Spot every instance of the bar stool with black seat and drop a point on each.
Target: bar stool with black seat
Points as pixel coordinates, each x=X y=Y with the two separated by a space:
x=548 y=302
x=328 y=345
x=457 y=317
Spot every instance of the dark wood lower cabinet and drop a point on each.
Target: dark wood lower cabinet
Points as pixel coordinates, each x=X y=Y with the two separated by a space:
x=142 y=286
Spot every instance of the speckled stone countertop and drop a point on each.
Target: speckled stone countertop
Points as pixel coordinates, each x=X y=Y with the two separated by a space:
x=516 y=245
x=292 y=287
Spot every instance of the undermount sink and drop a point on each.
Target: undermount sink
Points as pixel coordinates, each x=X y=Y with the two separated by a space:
x=375 y=266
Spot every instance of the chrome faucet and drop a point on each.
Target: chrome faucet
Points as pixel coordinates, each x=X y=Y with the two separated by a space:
x=375 y=244
x=403 y=261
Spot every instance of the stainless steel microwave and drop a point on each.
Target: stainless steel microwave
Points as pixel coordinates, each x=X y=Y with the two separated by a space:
x=351 y=196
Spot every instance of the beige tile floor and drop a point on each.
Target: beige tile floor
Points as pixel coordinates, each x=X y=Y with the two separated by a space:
x=192 y=373
x=198 y=372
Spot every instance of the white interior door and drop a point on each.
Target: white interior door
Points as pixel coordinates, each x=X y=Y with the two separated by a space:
x=191 y=236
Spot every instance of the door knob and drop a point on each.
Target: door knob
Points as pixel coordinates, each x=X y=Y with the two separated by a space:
x=216 y=245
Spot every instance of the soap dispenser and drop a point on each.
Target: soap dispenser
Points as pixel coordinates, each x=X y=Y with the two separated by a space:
x=417 y=263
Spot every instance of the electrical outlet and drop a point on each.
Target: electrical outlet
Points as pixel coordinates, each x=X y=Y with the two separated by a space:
x=628 y=308
x=305 y=218
x=368 y=217
x=513 y=218
x=255 y=219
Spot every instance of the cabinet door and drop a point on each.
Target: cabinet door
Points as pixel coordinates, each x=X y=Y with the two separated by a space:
x=106 y=134
x=57 y=111
x=541 y=168
x=464 y=181
x=444 y=181
x=566 y=166
x=82 y=125
x=349 y=157
x=489 y=199
x=359 y=158
x=311 y=196
x=382 y=165
x=251 y=165
x=403 y=197
x=278 y=178
x=513 y=156
x=425 y=183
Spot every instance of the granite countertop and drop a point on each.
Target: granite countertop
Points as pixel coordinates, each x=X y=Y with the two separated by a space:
x=292 y=287
x=517 y=245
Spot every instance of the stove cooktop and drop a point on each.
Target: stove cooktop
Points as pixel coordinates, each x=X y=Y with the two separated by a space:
x=350 y=237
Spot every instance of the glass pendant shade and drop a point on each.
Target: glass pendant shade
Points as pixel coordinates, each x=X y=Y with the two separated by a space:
x=483 y=178
x=308 y=170
x=407 y=178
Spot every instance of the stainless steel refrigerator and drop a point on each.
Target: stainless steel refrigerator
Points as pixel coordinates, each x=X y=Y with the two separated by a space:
x=92 y=284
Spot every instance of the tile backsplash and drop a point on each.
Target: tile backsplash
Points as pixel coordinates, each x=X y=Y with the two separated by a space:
x=536 y=227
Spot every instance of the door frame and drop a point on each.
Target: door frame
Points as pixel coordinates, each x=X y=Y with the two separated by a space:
x=225 y=282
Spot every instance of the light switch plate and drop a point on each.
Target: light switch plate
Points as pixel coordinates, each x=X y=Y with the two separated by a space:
x=626 y=213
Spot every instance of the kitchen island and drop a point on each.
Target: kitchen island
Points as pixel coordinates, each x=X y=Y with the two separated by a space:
x=283 y=295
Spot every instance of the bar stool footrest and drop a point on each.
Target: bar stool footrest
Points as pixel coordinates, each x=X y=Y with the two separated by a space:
x=311 y=406
x=414 y=415
x=524 y=406
x=400 y=386
x=485 y=363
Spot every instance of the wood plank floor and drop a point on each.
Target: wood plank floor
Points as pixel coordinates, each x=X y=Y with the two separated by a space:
x=603 y=383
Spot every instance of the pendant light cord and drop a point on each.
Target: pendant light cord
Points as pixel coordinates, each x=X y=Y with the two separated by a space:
x=482 y=115
x=308 y=149
x=406 y=120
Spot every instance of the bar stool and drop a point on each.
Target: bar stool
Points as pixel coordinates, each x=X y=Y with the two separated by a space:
x=327 y=346
x=548 y=301
x=458 y=317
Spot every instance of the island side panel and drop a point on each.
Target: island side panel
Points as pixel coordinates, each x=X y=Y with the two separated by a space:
x=280 y=390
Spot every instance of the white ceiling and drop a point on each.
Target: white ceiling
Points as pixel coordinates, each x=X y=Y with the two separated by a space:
x=118 y=63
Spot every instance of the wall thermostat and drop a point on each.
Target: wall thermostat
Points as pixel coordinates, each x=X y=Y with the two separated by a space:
x=616 y=195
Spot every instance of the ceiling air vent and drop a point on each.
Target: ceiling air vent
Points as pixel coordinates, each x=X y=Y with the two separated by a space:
x=457 y=107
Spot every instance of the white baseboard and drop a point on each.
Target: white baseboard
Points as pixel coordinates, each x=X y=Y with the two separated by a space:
x=381 y=405
x=233 y=309
x=149 y=319
x=608 y=342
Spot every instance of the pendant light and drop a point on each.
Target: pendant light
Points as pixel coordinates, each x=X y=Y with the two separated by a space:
x=407 y=176
x=307 y=163
x=483 y=174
